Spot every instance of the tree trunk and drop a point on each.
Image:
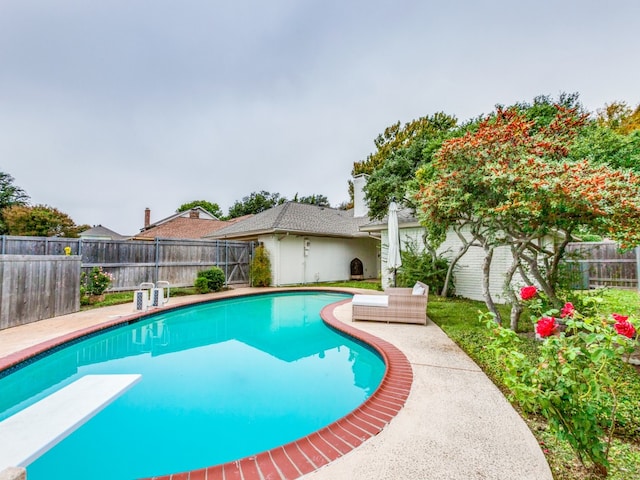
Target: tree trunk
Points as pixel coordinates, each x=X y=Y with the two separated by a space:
x=454 y=262
x=514 y=318
x=558 y=255
x=486 y=292
x=516 y=306
x=542 y=281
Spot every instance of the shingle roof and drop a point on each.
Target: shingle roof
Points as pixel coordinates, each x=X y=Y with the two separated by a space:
x=182 y=227
x=184 y=214
x=102 y=232
x=406 y=216
x=299 y=218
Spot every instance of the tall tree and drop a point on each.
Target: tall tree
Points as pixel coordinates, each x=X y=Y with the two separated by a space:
x=510 y=183
x=254 y=203
x=601 y=144
x=400 y=151
x=212 y=208
x=40 y=221
x=319 y=199
x=543 y=109
x=612 y=138
x=619 y=117
x=10 y=195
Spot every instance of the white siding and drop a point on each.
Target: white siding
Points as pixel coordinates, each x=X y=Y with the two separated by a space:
x=468 y=273
x=407 y=235
x=327 y=259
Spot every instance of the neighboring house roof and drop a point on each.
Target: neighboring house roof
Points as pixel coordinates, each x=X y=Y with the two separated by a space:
x=194 y=213
x=296 y=218
x=190 y=224
x=102 y=233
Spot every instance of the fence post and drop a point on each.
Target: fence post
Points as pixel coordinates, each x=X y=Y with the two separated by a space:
x=4 y=243
x=226 y=263
x=157 y=260
x=252 y=250
x=638 y=268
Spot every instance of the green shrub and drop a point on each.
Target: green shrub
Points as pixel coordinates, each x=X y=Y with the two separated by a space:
x=422 y=266
x=578 y=381
x=260 y=268
x=202 y=285
x=96 y=282
x=211 y=280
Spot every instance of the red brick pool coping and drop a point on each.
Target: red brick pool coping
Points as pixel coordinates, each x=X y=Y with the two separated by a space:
x=309 y=453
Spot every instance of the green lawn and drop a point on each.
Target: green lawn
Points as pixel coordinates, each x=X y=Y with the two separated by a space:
x=117 y=298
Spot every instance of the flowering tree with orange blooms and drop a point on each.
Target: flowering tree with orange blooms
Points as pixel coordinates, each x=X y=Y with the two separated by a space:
x=510 y=183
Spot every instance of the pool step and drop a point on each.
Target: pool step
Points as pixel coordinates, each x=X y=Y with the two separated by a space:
x=34 y=430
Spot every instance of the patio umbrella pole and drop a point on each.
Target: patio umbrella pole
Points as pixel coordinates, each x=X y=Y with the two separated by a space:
x=394 y=259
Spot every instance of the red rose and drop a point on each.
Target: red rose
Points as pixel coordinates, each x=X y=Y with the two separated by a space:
x=568 y=310
x=625 y=328
x=546 y=326
x=619 y=318
x=527 y=293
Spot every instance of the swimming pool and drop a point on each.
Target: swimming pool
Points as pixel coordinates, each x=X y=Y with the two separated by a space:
x=262 y=368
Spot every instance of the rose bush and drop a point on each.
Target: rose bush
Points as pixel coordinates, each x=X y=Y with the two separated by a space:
x=625 y=328
x=528 y=292
x=96 y=282
x=573 y=383
x=546 y=326
x=568 y=310
x=620 y=318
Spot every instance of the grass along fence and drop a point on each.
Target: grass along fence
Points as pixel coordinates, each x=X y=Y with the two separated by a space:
x=132 y=262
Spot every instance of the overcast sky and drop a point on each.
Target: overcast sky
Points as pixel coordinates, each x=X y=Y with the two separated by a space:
x=108 y=107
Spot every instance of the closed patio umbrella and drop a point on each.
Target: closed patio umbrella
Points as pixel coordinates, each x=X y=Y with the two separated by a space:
x=393 y=253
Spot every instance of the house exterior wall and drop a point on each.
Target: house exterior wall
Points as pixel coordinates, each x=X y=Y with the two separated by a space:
x=326 y=259
x=410 y=235
x=468 y=272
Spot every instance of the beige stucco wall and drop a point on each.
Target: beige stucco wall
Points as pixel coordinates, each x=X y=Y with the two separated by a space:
x=324 y=260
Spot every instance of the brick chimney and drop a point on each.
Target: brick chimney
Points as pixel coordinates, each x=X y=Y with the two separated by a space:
x=147 y=217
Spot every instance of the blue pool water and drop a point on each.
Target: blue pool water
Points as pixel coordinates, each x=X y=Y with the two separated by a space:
x=220 y=381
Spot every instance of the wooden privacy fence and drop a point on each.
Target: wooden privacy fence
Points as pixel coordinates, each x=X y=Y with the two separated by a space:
x=132 y=262
x=36 y=287
x=602 y=264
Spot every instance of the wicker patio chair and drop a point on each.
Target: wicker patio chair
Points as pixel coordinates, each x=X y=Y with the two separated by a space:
x=398 y=305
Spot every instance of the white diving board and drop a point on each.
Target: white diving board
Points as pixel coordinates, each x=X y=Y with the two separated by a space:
x=34 y=430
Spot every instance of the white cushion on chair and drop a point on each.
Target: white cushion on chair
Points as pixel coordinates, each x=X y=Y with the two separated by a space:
x=371 y=300
x=417 y=289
